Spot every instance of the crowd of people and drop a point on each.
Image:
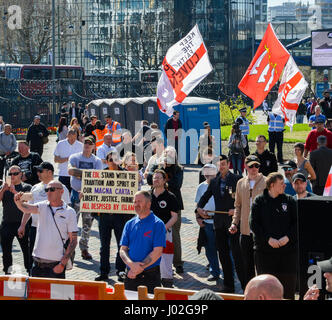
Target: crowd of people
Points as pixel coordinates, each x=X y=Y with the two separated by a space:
x=245 y=208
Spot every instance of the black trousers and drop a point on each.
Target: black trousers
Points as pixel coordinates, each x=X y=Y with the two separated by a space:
x=107 y=223
x=225 y=242
x=276 y=138
x=149 y=278
x=8 y=231
x=47 y=271
x=281 y=265
x=39 y=149
x=247 y=249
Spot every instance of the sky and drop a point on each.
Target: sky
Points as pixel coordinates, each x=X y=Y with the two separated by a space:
x=279 y=2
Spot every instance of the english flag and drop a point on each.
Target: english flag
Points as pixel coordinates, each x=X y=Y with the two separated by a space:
x=265 y=68
x=186 y=64
x=291 y=89
x=328 y=185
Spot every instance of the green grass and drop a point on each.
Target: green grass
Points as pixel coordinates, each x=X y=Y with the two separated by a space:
x=299 y=133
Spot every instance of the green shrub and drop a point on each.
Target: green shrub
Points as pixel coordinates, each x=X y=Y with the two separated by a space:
x=230 y=111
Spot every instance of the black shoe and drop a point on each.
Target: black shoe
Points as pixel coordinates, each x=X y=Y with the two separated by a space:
x=102 y=277
x=167 y=283
x=212 y=278
x=179 y=269
x=121 y=276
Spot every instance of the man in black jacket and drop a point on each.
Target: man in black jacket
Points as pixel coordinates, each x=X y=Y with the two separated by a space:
x=267 y=159
x=222 y=188
x=36 y=132
x=326 y=104
x=321 y=161
x=172 y=126
x=273 y=221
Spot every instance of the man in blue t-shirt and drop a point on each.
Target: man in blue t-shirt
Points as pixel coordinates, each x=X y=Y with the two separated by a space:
x=313 y=119
x=142 y=243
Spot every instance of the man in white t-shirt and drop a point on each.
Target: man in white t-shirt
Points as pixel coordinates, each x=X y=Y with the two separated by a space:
x=45 y=173
x=57 y=224
x=78 y=162
x=247 y=189
x=63 y=150
x=209 y=171
x=105 y=148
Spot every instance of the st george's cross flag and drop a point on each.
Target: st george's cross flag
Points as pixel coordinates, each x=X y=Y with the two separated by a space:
x=265 y=68
x=328 y=185
x=186 y=64
x=291 y=89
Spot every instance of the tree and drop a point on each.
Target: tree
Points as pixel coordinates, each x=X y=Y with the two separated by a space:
x=33 y=41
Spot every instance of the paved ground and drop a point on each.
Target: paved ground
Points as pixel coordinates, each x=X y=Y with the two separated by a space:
x=195 y=274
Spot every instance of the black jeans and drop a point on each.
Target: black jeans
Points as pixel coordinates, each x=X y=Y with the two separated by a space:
x=226 y=242
x=276 y=138
x=8 y=232
x=281 y=265
x=149 y=278
x=66 y=181
x=107 y=223
x=47 y=272
x=247 y=249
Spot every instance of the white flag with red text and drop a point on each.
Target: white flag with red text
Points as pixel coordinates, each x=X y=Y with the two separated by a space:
x=186 y=64
x=291 y=89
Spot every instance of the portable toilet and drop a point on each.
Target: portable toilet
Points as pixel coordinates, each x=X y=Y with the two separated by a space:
x=150 y=110
x=134 y=113
x=93 y=107
x=117 y=111
x=193 y=112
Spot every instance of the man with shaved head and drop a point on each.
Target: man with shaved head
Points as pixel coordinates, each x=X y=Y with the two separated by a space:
x=57 y=224
x=264 y=287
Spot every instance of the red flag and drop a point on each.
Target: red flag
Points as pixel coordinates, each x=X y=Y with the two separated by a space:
x=265 y=68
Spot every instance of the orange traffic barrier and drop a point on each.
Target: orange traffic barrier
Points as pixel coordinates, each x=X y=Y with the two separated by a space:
x=30 y=288
x=178 y=294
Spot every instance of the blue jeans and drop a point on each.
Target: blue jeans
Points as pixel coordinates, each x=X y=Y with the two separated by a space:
x=299 y=118
x=211 y=250
x=237 y=163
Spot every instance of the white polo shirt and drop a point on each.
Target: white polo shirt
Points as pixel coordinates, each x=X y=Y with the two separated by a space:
x=102 y=152
x=49 y=245
x=39 y=194
x=63 y=150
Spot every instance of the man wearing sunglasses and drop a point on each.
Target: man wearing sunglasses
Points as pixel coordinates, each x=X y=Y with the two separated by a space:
x=45 y=173
x=290 y=169
x=57 y=223
x=78 y=162
x=11 y=218
x=247 y=189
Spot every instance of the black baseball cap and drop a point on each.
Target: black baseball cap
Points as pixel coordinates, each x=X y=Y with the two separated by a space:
x=252 y=159
x=289 y=164
x=244 y=109
x=45 y=166
x=326 y=265
x=299 y=176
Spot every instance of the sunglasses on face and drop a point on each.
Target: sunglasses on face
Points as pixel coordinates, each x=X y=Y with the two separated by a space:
x=52 y=189
x=14 y=173
x=288 y=169
x=254 y=166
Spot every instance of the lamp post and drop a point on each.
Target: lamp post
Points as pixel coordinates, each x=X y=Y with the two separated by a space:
x=53 y=64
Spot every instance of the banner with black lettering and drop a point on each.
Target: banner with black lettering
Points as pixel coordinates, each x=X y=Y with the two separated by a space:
x=108 y=191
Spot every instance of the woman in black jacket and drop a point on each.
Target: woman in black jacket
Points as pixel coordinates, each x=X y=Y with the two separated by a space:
x=273 y=221
x=174 y=172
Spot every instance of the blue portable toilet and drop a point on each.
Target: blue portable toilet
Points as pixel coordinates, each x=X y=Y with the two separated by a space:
x=193 y=112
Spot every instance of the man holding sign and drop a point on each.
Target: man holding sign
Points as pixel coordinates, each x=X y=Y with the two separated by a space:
x=77 y=163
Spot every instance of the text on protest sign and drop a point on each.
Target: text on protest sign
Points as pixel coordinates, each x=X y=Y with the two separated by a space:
x=108 y=191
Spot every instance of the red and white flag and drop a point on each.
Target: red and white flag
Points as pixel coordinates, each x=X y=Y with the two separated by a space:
x=328 y=185
x=186 y=64
x=291 y=89
x=265 y=68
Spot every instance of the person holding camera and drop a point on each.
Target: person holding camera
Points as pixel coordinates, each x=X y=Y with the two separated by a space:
x=236 y=144
x=57 y=224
